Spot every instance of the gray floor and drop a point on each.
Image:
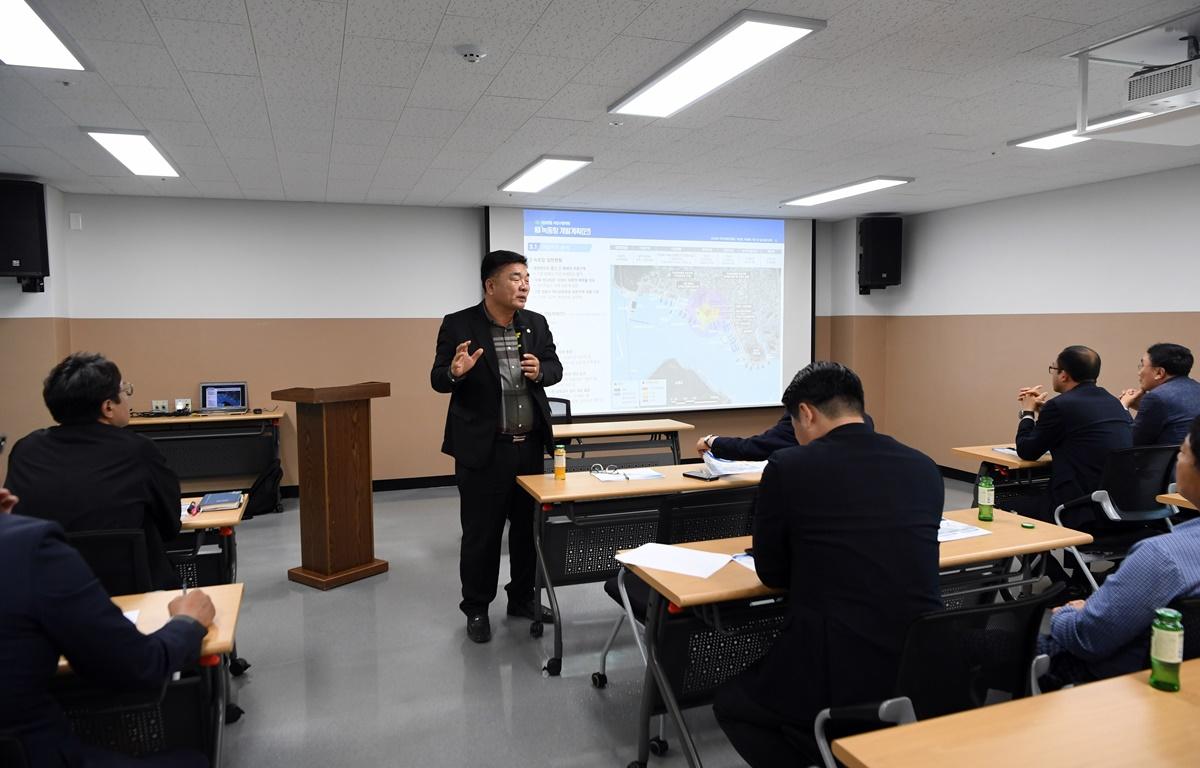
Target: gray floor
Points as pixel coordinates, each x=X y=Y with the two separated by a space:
x=380 y=672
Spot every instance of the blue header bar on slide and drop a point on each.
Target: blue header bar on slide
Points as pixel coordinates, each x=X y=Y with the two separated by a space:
x=651 y=226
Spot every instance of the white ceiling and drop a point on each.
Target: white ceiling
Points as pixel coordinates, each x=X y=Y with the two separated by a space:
x=367 y=101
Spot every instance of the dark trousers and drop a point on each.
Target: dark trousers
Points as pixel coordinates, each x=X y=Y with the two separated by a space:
x=756 y=732
x=488 y=497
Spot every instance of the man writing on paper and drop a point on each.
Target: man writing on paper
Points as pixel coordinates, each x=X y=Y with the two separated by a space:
x=847 y=521
x=89 y=473
x=1109 y=633
x=496 y=360
x=52 y=605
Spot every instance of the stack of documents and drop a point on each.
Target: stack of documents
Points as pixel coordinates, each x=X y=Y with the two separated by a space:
x=664 y=557
x=719 y=467
x=633 y=473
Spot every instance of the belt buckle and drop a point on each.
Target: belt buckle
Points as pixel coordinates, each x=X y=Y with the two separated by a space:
x=518 y=438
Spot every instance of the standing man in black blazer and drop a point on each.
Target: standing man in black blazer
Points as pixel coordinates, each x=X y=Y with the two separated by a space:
x=1080 y=428
x=89 y=473
x=496 y=359
x=847 y=521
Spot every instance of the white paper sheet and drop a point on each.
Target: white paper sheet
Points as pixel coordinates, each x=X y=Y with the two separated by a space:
x=746 y=560
x=721 y=467
x=1006 y=451
x=633 y=473
x=952 y=530
x=132 y=615
x=664 y=557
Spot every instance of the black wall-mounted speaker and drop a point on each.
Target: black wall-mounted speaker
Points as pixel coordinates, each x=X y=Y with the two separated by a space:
x=879 y=252
x=24 y=253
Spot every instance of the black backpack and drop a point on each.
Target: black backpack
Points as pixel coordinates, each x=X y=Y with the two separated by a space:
x=264 y=494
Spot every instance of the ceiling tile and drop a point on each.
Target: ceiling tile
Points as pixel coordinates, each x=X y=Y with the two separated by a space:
x=226 y=11
x=301 y=28
x=194 y=172
x=95 y=113
x=534 y=77
x=580 y=29
x=304 y=141
x=132 y=64
x=219 y=189
x=628 y=61
x=122 y=21
x=239 y=149
x=374 y=133
x=370 y=102
x=375 y=61
x=411 y=20
x=348 y=171
x=206 y=46
x=435 y=91
x=231 y=104
x=159 y=103
x=581 y=102
x=289 y=77
x=418 y=121
x=526 y=11
x=176 y=133
x=685 y=21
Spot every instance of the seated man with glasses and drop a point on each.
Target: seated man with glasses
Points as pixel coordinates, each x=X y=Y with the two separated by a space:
x=1166 y=398
x=1080 y=428
x=88 y=473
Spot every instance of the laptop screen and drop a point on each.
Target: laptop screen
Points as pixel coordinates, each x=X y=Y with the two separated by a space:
x=223 y=396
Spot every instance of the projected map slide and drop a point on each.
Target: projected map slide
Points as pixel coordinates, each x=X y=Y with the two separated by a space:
x=657 y=312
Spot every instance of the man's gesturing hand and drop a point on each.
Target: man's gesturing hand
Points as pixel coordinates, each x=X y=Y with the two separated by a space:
x=463 y=361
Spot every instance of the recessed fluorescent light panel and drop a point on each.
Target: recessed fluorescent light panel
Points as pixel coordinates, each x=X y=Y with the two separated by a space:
x=26 y=41
x=544 y=171
x=748 y=39
x=135 y=152
x=1068 y=136
x=849 y=190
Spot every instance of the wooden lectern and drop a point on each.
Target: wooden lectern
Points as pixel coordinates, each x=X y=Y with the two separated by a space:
x=337 y=533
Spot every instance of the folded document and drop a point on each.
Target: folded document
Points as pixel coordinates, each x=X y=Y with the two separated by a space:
x=721 y=467
x=665 y=557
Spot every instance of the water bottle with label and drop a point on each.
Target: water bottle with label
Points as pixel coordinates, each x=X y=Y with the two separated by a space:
x=1166 y=649
x=986 y=494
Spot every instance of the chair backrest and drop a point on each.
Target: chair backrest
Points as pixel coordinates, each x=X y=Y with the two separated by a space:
x=560 y=410
x=952 y=659
x=117 y=557
x=1134 y=476
x=1190 y=608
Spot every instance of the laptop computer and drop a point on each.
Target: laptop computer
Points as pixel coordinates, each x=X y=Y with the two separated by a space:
x=227 y=397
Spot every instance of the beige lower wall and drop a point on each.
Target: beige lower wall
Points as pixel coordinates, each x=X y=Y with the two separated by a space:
x=933 y=382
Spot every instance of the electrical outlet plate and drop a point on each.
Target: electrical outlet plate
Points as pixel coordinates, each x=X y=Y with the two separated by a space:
x=183 y=403
x=158 y=406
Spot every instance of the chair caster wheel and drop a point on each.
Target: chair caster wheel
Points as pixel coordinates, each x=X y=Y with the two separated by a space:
x=659 y=746
x=233 y=713
x=535 y=629
x=553 y=668
x=238 y=667
x=599 y=680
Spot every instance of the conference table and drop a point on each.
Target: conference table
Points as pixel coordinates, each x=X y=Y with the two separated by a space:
x=1176 y=500
x=1120 y=721
x=582 y=522
x=640 y=435
x=215 y=649
x=1012 y=475
x=684 y=613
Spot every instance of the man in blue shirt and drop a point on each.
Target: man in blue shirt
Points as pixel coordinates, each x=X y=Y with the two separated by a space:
x=1166 y=399
x=1108 y=634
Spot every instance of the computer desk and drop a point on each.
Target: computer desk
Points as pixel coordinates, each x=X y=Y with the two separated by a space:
x=1175 y=500
x=215 y=649
x=214 y=453
x=1120 y=721
x=581 y=522
x=735 y=584
x=580 y=437
x=1012 y=475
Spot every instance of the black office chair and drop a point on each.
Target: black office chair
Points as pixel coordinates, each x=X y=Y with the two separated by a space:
x=952 y=661
x=1125 y=508
x=117 y=557
x=560 y=410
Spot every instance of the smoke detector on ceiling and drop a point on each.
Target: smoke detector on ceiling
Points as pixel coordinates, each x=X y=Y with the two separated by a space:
x=472 y=54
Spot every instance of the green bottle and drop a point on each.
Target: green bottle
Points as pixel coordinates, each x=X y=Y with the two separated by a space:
x=1166 y=649
x=985 y=492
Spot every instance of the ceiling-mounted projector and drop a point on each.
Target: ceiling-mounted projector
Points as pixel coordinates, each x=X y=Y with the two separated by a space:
x=1167 y=88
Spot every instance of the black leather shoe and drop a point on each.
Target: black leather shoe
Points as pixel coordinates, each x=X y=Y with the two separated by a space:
x=532 y=611
x=479 y=629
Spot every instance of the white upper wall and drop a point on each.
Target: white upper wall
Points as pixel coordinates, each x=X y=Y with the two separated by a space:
x=1128 y=245
x=170 y=257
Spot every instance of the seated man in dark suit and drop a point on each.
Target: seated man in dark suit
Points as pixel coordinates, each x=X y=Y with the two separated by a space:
x=1166 y=399
x=1109 y=633
x=52 y=605
x=1080 y=428
x=847 y=521
x=88 y=473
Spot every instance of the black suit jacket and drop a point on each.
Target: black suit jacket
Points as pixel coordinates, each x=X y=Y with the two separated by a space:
x=52 y=605
x=848 y=524
x=473 y=418
x=94 y=476
x=1080 y=428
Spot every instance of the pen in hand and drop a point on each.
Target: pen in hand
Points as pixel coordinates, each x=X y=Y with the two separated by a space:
x=185 y=586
